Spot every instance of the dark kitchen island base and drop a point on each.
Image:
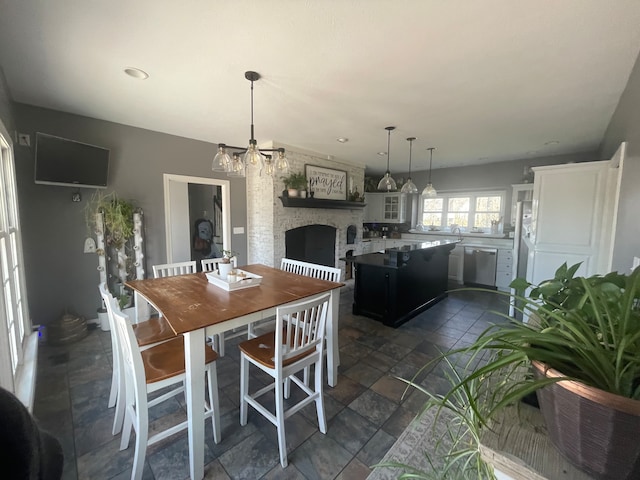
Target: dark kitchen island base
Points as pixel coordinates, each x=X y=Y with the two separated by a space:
x=395 y=286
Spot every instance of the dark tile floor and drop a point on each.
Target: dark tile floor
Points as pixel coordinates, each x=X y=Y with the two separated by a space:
x=366 y=411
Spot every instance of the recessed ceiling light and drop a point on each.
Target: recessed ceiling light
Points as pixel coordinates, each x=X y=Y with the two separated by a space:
x=382 y=154
x=552 y=142
x=342 y=139
x=136 y=73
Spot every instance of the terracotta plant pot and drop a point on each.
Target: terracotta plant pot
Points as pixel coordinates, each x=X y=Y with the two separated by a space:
x=595 y=430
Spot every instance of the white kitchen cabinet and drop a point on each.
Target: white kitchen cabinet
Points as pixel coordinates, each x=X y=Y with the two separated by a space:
x=574 y=211
x=504 y=269
x=385 y=208
x=456 y=265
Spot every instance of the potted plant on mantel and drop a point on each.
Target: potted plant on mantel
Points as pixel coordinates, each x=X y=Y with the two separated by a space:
x=295 y=183
x=580 y=352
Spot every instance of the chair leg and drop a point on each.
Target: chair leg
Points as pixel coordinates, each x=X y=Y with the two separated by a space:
x=244 y=388
x=282 y=443
x=322 y=419
x=113 y=395
x=121 y=401
x=220 y=344
x=142 y=435
x=126 y=429
x=214 y=401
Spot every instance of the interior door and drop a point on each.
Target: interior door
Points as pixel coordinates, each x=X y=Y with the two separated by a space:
x=178 y=228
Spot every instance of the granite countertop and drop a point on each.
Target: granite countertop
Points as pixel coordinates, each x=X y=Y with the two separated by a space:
x=382 y=258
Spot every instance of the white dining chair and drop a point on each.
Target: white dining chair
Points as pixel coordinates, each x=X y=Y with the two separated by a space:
x=296 y=343
x=148 y=371
x=293 y=266
x=209 y=264
x=148 y=333
x=171 y=269
x=323 y=272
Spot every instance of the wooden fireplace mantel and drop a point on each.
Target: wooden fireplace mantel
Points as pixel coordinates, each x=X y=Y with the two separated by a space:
x=319 y=203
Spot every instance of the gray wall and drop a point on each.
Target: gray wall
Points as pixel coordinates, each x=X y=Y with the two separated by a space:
x=625 y=125
x=6 y=113
x=499 y=175
x=59 y=275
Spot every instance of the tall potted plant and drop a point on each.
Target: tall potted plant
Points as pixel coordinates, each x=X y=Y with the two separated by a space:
x=582 y=345
x=580 y=351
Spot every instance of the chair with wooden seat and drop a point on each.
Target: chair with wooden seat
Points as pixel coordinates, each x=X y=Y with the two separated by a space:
x=148 y=371
x=209 y=265
x=148 y=333
x=296 y=343
x=171 y=269
x=314 y=270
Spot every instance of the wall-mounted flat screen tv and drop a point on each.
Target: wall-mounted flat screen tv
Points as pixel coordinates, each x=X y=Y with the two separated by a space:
x=60 y=161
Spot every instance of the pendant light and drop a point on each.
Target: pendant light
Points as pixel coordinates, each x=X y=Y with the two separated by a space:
x=387 y=182
x=429 y=191
x=250 y=155
x=409 y=187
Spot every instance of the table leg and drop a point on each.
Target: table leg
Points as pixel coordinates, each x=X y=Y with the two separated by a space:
x=142 y=308
x=333 y=349
x=194 y=395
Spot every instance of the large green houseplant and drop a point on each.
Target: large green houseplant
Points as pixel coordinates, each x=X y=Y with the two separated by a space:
x=579 y=351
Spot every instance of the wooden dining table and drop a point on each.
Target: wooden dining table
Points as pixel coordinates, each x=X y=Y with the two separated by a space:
x=195 y=308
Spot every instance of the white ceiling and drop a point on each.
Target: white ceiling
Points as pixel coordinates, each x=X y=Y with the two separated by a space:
x=482 y=81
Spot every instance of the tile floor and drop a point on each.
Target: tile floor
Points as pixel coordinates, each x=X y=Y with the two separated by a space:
x=366 y=411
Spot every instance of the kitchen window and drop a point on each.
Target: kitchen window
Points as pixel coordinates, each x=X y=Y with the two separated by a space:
x=468 y=210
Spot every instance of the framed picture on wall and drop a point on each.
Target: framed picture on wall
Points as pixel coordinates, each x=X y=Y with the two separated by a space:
x=326 y=182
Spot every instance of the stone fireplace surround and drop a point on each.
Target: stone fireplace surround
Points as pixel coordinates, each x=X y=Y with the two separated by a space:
x=268 y=220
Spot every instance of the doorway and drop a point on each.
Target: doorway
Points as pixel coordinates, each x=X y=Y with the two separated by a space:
x=178 y=227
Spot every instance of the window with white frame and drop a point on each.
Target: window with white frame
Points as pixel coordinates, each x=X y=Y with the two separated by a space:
x=14 y=317
x=467 y=210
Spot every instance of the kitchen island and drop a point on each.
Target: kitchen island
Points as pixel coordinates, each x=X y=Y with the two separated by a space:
x=395 y=285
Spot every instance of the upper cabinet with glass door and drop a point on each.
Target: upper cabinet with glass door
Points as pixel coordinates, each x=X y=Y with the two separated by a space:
x=385 y=208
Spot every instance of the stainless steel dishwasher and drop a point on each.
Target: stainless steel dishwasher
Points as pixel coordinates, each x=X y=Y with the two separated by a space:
x=480 y=266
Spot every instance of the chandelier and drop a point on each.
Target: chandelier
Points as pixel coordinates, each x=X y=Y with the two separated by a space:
x=235 y=165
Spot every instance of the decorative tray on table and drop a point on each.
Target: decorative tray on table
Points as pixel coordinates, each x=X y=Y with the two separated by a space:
x=243 y=280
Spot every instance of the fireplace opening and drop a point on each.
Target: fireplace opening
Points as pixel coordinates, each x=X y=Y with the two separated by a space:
x=312 y=243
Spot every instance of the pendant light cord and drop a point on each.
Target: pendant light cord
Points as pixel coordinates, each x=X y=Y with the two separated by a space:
x=430 y=162
x=388 y=148
x=252 y=137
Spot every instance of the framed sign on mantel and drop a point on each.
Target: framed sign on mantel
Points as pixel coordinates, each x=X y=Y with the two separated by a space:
x=327 y=183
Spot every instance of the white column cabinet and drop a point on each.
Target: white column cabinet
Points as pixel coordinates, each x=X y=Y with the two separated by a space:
x=574 y=211
x=456 y=265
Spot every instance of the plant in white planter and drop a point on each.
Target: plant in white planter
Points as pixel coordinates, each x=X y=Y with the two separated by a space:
x=225 y=265
x=295 y=183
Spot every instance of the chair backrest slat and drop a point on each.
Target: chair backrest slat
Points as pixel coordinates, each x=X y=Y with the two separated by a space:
x=172 y=269
x=303 y=324
x=307 y=269
x=209 y=264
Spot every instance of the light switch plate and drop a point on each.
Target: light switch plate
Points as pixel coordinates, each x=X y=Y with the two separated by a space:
x=238 y=230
